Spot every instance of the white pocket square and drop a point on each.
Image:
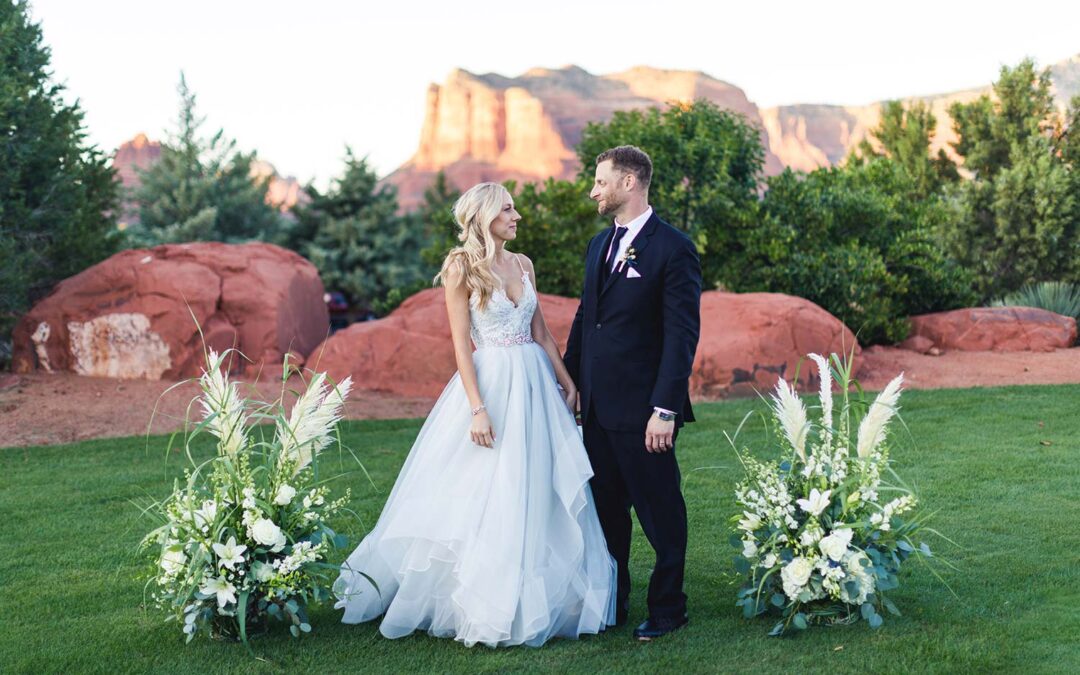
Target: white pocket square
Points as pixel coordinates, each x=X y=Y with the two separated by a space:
x=632 y=273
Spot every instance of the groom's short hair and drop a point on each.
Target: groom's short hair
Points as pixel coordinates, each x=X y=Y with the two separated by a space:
x=629 y=159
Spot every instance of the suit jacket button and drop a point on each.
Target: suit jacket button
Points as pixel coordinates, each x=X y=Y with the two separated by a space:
x=597 y=326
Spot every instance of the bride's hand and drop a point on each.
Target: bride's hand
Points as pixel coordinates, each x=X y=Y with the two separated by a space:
x=571 y=397
x=481 y=432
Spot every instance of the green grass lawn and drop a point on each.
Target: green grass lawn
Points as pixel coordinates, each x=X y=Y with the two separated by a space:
x=998 y=465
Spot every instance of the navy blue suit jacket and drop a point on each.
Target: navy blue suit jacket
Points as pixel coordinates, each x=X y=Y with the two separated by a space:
x=632 y=343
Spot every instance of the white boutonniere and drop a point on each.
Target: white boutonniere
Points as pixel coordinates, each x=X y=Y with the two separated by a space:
x=628 y=258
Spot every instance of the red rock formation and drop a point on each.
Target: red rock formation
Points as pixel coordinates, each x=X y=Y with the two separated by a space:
x=130 y=316
x=747 y=342
x=999 y=329
x=750 y=340
x=490 y=127
x=140 y=153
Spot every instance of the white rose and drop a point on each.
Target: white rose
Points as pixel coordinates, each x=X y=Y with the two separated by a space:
x=836 y=544
x=284 y=495
x=795 y=575
x=768 y=561
x=265 y=532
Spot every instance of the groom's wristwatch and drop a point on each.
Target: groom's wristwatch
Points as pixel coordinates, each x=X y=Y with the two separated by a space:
x=665 y=416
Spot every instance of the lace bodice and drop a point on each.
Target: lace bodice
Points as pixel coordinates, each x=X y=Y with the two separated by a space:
x=501 y=323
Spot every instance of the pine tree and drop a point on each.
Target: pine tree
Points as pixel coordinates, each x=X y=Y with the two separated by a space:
x=356 y=238
x=905 y=135
x=57 y=191
x=202 y=189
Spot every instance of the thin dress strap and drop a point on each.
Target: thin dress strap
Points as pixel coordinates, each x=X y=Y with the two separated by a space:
x=518 y=259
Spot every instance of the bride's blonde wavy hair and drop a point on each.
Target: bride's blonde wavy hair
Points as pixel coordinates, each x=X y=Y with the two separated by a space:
x=474 y=212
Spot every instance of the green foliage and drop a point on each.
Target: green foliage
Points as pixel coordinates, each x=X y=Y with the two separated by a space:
x=202 y=189
x=854 y=241
x=1054 y=296
x=57 y=192
x=436 y=214
x=905 y=134
x=557 y=222
x=707 y=165
x=1019 y=217
x=356 y=238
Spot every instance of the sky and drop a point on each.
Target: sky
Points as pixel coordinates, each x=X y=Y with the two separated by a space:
x=299 y=81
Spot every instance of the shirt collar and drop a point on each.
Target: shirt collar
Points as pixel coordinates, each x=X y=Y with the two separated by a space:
x=635 y=225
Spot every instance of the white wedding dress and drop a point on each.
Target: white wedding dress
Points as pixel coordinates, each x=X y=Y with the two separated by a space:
x=500 y=546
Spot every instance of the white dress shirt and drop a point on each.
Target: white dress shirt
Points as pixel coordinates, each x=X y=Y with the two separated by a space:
x=633 y=228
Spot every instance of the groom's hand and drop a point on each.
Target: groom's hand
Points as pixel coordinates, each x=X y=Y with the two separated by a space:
x=659 y=435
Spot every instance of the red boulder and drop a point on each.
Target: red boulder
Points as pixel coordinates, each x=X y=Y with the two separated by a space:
x=750 y=340
x=998 y=329
x=134 y=315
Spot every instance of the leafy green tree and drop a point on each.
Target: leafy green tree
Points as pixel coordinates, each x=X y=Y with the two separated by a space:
x=202 y=189
x=852 y=240
x=357 y=239
x=557 y=222
x=436 y=215
x=1019 y=215
x=707 y=165
x=905 y=135
x=57 y=191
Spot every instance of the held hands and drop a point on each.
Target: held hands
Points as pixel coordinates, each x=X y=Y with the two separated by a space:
x=571 y=397
x=481 y=432
x=659 y=435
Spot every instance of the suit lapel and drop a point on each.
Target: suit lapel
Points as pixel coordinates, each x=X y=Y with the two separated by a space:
x=638 y=244
x=595 y=266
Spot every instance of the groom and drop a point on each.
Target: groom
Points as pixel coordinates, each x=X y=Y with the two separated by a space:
x=630 y=351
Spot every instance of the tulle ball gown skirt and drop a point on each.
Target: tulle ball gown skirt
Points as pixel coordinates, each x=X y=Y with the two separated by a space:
x=498 y=546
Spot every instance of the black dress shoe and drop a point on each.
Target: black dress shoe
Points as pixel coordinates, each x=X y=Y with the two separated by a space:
x=654 y=628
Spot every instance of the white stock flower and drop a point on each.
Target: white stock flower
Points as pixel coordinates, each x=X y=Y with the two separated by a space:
x=872 y=428
x=791 y=413
x=836 y=544
x=795 y=576
x=284 y=495
x=818 y=502
x=173 y=560
x=313 y=417
x=230 y=553
x=265 y=532
x=825 y=375
x=810 y=536
x=220 y=587
x=222 y=406
x=263 y=572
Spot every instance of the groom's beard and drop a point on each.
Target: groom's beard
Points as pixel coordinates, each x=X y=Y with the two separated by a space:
x=610 y=205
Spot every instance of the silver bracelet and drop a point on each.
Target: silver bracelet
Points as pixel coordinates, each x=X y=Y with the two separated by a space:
x=479 y=409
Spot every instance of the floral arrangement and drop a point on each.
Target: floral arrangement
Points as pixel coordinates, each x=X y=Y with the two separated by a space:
x=824 y=530
x=245 y=536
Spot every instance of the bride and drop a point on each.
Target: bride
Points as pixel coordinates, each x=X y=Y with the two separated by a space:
x=490 y=534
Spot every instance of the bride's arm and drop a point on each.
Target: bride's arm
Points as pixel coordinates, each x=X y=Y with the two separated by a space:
x=457 y=308
x=542 y=336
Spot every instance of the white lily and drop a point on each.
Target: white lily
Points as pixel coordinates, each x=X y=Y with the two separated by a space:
x=826 y=396
x=220 y=587
x=791 y=414
x=313 y=417
x=221 y=401
x=817 y=502
x=230 y=553
x=872 y=428
x=749 y=521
